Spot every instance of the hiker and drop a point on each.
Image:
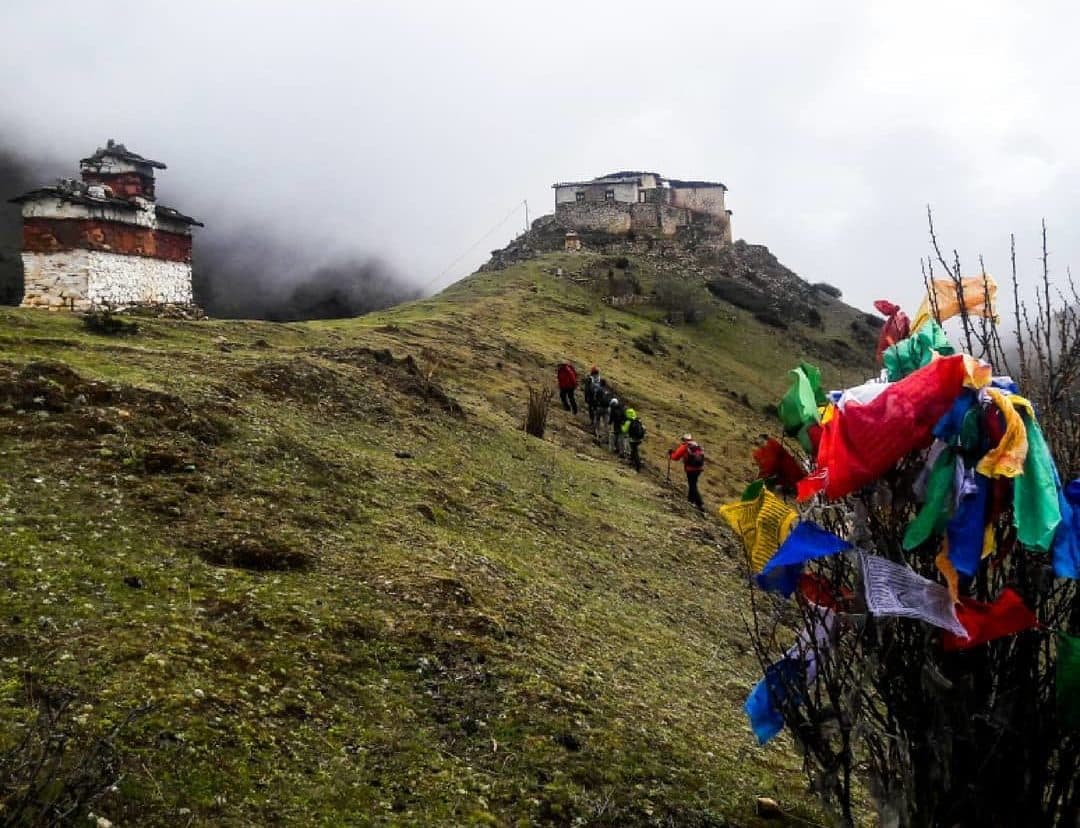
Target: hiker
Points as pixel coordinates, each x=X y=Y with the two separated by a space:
x=693 y=457
x=601 y=398
x=589 y=387
x=616 y=416
x=634 y=432
x=567 y=377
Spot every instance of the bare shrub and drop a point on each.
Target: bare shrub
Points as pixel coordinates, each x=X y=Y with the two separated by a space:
x=50 y=776
x=937 y=737
x=537 y=413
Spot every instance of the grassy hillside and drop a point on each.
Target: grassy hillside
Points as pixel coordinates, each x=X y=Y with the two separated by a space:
x=355 y=592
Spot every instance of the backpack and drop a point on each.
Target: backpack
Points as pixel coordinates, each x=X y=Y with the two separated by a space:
x=617 y=413
x=636 y=431
x=695 y=457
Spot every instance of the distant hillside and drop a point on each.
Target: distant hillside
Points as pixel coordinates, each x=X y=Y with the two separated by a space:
x=356 y=592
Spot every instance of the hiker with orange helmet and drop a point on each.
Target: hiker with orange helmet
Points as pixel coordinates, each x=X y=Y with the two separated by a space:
x=567 y=378
x=693 y=457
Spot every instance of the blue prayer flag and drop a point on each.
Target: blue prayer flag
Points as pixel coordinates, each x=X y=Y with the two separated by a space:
x=806 y=542
x=762 y=706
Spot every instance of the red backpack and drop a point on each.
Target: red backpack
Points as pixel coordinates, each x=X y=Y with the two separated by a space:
x=695 y=457
x=567 y=377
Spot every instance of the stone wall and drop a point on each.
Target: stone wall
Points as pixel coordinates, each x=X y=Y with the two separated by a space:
x=596 y=216
x=708 y=200
x=658 y=219
x=80 y=279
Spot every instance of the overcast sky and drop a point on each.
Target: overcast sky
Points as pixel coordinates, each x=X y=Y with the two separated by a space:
x=408 y=129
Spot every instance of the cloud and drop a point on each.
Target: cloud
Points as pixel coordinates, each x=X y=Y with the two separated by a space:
x=404 y=132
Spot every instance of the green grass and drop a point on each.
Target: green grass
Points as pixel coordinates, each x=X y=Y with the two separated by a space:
x=498 y=630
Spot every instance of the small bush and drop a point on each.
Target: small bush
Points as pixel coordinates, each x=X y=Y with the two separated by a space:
x=622 y=263
x=537 y=413
x=828 y=290
x=107 y=322
x=682 y=297
x=812 y=317
x=739 y=294
x=770 y=318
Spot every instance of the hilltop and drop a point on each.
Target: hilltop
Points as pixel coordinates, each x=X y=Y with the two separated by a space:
x=355 y=591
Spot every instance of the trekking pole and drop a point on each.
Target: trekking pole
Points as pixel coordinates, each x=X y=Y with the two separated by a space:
x=669 y=467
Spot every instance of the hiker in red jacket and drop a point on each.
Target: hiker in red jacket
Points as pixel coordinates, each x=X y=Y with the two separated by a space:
x=567 y=377
x=693 y=457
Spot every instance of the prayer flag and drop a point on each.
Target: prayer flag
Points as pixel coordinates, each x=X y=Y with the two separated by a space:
x=762 y=706
x=1066 y=548
x=1005 y=615
x=806 y=542
x=1068 y=681
x=861 y=443
x=896 y=589
x=763 y=523
x=979 y=294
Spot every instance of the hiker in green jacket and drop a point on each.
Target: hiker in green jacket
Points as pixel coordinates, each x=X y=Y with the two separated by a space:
x=634 y=432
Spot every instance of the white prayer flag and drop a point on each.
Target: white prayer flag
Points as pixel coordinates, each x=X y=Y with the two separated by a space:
x=896 y=589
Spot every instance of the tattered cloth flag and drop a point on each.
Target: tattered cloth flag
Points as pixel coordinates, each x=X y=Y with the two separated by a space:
x=917 y=350
x=785 y=678
x=1066 y=549
x=762 y=706
x=1068 y=681
x=775 y=461
x=763 y=523
x=1005 y=615
x=895 y=589
x=1036 y=505
x=863 y=442
x=979 y=293
x=798 y=409
x=806 y=542
x=897 y=326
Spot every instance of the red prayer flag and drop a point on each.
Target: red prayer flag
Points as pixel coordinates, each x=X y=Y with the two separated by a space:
x=862 y=442
x=819 y=590
x=776 y=461
x=1005 y=615
x=896 y=327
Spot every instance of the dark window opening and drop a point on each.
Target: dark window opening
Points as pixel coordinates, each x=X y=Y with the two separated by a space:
x=609 y=195
x=579 y=196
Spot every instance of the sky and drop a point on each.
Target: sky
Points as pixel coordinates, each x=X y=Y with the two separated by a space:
x=408 y=131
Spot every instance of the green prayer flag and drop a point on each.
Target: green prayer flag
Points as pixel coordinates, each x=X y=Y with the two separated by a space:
x=917 y=350
x=937 y=509
x=799 y=406
x=753 y=491
x=1068 y=681
x=1036 y=508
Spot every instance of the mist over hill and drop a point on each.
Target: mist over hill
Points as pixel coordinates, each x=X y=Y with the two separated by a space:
x=241 y=270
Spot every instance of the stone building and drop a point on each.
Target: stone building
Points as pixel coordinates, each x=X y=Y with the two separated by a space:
x=642 y=202
x=103 y=239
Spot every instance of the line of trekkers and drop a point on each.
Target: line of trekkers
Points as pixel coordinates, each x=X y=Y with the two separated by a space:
x=618 y=426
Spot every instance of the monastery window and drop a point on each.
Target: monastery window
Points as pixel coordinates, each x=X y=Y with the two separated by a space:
x=579 y=196
x=609 y=195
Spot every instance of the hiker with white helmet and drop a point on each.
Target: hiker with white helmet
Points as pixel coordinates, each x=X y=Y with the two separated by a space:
x=693 y=457
x=616 y=416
